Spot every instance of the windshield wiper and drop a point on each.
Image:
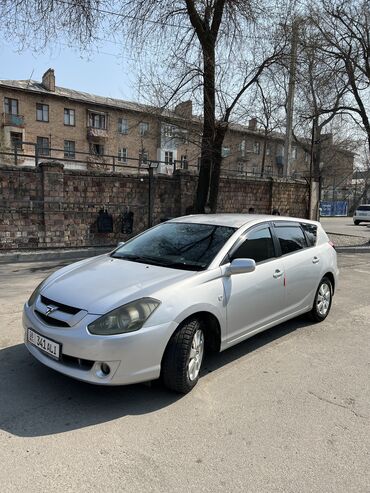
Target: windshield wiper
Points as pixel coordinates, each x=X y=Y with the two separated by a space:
x=139 y=258
x=160 y=262
x=182 y=265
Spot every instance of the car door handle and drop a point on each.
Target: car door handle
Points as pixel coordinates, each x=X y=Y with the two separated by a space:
x=278 y=273
x=315 y=260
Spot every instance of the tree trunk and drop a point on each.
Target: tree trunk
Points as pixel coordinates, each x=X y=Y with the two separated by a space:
x=207 y=147
x=264 y=153
x=216 y=170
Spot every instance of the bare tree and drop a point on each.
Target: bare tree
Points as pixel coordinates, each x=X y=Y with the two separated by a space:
x=204 y=46
x=345 y=40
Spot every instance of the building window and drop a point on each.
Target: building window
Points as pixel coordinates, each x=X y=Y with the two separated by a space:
x=268 y=170
x=98 y=120
x=43 y=146
x=16 y=141
x=69 y=117
x=96 y=149
x=225 y=152
x=294 y=152
x=70 y=149
x=306 y=157
x=122 y=126
x=143 y=128
x=11 y=106
x=168 y=130
x=122 y=155
x=184 y=162
x=240 y=168
x=168 y=157
x=257 y=147
x=254 y=170
x=42 y=112
x=268 y=150
x=143 y=158
x=242 y=148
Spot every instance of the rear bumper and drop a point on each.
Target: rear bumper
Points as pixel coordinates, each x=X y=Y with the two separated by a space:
x=363 y=219
x=132 y=358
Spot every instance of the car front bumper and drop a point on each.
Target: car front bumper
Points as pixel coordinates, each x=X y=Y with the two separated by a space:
x=133 y=357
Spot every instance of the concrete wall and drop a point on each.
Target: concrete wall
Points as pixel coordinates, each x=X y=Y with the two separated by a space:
x=51 y=207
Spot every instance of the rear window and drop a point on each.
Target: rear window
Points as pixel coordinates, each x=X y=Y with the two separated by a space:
x=291 y=238
x=311 y=233
x=363 y=208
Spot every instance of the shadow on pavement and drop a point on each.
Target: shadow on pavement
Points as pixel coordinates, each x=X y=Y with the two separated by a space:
x=37 y=401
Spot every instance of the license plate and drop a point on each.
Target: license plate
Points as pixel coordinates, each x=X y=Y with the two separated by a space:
x=362 y=213
x=48 y=346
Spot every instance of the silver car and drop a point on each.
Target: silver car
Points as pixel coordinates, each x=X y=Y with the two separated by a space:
x=152 y=307
x=362 y=214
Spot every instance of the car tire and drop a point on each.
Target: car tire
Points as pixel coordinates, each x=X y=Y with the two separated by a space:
x=356 y=222
x=323 y=300
x=183 y=357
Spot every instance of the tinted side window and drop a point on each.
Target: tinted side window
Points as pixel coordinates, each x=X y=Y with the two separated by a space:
x=258 y=246
x=291 y=238
x=311 y=233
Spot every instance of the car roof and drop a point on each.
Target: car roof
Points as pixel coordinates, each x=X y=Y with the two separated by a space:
x=234 y=220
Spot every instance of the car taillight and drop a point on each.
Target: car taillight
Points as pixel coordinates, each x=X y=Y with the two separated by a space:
x=332 y=244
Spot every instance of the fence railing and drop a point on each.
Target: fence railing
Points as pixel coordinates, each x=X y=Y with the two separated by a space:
x=107 y=162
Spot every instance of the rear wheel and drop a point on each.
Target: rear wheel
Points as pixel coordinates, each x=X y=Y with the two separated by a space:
x=183 y=357
x=323 y=299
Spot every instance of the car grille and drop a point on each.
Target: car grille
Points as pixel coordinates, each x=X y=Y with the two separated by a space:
x=51 y=321
x=60 y=315
x=64 y=308
x=83 y=364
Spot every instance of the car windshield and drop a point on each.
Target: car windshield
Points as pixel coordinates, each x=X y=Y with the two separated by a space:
x=188 y=246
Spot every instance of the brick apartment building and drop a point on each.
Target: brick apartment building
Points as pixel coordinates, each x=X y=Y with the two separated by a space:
x=86 y=131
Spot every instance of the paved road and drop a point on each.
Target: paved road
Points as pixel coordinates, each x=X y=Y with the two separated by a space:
x=345 y=226
x=286 y=411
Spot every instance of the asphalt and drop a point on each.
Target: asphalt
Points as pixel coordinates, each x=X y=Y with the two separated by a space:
x=286 y=411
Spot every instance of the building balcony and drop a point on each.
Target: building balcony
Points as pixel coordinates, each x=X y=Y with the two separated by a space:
x=96 y=133
x=10 y=120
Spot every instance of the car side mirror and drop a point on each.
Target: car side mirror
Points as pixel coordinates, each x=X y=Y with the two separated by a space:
x=241 y=266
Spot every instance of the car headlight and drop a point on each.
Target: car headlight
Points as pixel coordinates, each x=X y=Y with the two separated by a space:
x=126 y=318
x=36 y=292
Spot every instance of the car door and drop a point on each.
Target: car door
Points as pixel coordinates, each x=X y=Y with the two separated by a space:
x=301 y=263
x=254 y=299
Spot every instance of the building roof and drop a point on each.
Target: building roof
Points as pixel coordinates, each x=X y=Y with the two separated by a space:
x=84 y=97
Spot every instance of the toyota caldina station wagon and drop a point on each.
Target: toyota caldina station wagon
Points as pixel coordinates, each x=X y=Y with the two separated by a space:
x=152 y=307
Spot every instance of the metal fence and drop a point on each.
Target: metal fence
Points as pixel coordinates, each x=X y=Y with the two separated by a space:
x=74 y=159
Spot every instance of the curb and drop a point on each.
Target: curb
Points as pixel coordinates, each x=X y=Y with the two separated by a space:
x=61 y=254
x=353 y=249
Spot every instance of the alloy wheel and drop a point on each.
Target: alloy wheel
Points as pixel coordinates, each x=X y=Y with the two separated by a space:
x=196 y=355
x=323 y=299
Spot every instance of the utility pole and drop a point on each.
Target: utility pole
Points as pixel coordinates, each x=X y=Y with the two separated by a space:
x=290 y=100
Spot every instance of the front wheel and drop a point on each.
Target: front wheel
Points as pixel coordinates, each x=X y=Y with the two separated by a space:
x=356 y=222
x=183 y=357
x=323 y=299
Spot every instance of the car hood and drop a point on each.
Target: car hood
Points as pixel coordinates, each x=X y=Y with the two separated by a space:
x=104 y=283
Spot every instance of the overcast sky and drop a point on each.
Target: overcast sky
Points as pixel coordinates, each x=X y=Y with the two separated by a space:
x=103 y=71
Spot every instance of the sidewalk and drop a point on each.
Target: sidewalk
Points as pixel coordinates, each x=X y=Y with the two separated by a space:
x=53 y=254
